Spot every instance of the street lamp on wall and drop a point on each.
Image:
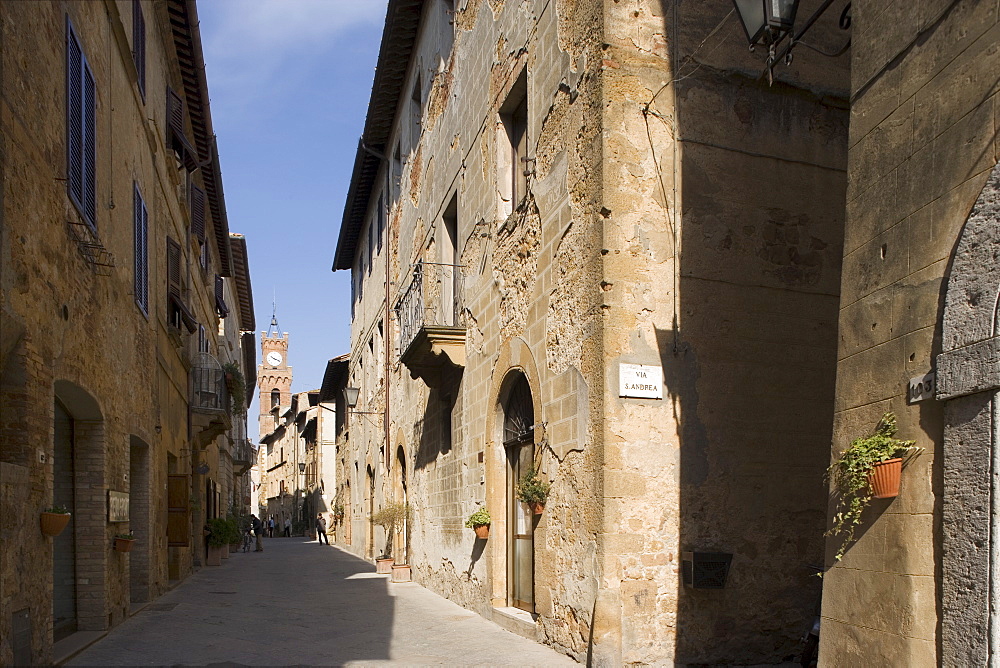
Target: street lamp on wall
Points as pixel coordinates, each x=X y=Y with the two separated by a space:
x=769 y=22
x=302 y=467
x=351 y=397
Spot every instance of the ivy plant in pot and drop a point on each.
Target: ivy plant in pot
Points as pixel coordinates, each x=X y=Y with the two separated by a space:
x=236 y=386
x=532 y=490
x=53 y=520
x=218 y=539
x=479 y=522
x=869 y=468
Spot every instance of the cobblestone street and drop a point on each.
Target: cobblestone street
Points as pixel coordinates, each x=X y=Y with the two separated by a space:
x=299 y=603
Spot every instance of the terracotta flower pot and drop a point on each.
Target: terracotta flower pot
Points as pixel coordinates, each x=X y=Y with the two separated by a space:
x=400 y=572
x=124 y=544
x=537 y=507
x=54 y=523
x=383 y=566
x=884 y=478
x=482 y=530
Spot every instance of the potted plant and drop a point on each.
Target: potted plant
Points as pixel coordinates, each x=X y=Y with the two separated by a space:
x=338 y=512
x=124 y=542
x=869 y=468
x=218 y=538
x=390 y=518
x=533 y=490
x=235 y=536
x=479 y=522
x=237 y=387
x=53 y=520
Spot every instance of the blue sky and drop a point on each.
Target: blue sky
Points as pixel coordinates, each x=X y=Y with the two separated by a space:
x=289 y=82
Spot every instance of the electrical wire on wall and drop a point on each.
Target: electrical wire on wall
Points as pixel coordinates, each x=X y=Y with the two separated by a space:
x=648 y=110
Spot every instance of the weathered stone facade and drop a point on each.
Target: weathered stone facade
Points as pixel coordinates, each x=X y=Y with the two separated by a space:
x=546 y=191
x=114 y=274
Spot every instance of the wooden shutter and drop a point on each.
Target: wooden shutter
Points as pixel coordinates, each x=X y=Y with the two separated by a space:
x=198 y=212
x=74 y=115
x=139 y=45
x=140 y=225
x=173 y=268
x=89 y=147
x=178 y=509
x=220 y=298
x=175 y=112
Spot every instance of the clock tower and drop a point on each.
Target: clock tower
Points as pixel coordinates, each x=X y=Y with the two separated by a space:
x=274 y=376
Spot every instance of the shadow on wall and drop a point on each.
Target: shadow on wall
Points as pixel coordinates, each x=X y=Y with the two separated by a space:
x=751 y=371
x=434 y=433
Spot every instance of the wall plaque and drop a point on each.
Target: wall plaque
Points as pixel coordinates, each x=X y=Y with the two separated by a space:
x=920 y=388
x=117 y=506
x=640 y=381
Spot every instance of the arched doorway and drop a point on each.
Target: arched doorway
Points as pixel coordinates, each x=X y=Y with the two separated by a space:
x=968 y=382
x=401 y=540
x=63 y=545
x=139 y=518
x=519 y=449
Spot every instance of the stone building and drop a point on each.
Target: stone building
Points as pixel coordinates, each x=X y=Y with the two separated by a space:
x=122 y=298
x=590 y=239
x=919 y=295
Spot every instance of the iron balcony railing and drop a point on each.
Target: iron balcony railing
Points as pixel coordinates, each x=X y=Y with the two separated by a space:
x=432 y=299
x=208 y=389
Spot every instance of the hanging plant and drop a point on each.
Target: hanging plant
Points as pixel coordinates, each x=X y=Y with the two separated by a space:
x=237 y=387
x=532 y=490
x=852 y=474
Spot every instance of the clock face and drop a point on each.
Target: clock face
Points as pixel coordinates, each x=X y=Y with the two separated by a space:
x=273 y=358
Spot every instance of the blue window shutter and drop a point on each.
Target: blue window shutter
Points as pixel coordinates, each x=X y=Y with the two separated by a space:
x=74 y=114
x=197 y=204
x=141 y=228
x=139 y=45
x=89 y=147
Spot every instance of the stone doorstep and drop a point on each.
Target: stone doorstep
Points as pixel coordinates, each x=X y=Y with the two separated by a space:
x=70 y=646
x=516 y=621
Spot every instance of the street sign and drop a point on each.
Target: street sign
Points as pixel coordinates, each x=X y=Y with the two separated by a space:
x=640 y=381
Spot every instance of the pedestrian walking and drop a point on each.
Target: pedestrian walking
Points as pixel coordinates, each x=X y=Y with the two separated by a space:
x=288 y=527
x=321 y=530
x=258 y=529
x=270 y=527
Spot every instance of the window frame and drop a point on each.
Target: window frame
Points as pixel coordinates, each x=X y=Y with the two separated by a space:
x=140 y=236
x=139 y=46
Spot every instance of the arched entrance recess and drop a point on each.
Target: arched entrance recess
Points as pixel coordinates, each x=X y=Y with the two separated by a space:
x=968 y=380
x=519 y=453
x=79 y=573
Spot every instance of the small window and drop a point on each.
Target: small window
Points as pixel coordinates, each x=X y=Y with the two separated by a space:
x=139 y=46
x=513 y=147
x=140 y=231
x=196 y=206
x=380 y=217
x=177 y=140
x=220 y=298
x=397 y=174
x=416 y=110
x=81 y=109
x=371 y=248
x=275 y=400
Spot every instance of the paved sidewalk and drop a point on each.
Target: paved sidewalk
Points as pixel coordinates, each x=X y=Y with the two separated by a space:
x=300 y=603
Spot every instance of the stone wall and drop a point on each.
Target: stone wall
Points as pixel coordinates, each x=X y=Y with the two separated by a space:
x=71 y=330
x=922 y=142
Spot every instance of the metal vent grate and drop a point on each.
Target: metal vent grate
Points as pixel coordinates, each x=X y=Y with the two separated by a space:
x=705 y=570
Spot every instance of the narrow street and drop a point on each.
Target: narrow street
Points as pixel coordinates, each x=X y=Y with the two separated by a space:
x=300 y=603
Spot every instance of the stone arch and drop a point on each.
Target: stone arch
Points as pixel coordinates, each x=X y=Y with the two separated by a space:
x=514 y=362
x=968 y=380
x=85 y=465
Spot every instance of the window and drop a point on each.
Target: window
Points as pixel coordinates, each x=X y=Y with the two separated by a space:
x=371 y=248
x=140 y=231
x=416 y=108
x=196 y=204
x=202 y=340
x=81 y=107
x=275 y=398
x=397 y=174
x=178 y=314
x=220 y=298
x=177 y=140
x=380 y=217
x=513 y=145
x=139 y=45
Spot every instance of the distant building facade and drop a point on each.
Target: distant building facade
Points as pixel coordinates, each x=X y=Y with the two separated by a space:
x=125 y=303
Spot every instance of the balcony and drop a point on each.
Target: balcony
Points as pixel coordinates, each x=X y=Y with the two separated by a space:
x=244 y=455
x=209 y=400
x=431 y=336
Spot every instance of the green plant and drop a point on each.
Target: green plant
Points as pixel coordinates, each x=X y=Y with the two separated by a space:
x=58 y=510
x=237 y=387
x=218 y=532
x=479 y=518
x=532 y=489
x=338 y=512
x=851 y=472
x=125 y=536
x=390 y=518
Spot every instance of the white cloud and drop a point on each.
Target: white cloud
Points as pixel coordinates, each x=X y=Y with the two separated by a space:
x=251 y=45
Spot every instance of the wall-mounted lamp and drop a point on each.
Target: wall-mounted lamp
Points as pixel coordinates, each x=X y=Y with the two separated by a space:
x=351 y=397
x=769 y=22
x=302 y=467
